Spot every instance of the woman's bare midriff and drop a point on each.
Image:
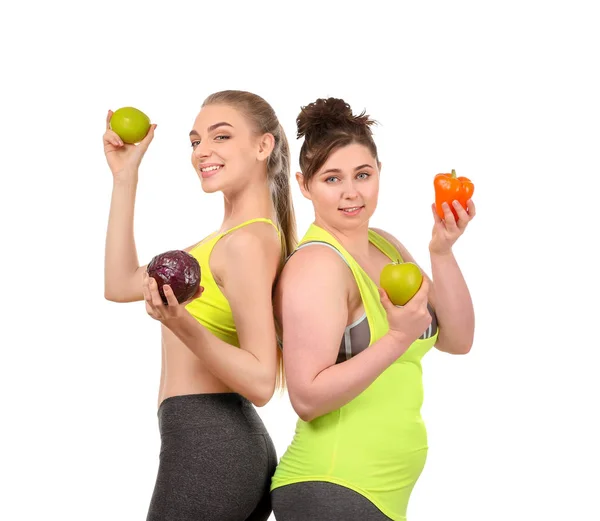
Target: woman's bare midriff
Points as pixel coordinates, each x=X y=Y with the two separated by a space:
x=182 y=372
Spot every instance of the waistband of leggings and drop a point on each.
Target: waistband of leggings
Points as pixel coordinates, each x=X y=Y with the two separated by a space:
x=226 y=411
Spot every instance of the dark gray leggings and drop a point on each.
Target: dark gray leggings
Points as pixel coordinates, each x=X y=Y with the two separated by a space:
x=322 y=501
x=216 y=460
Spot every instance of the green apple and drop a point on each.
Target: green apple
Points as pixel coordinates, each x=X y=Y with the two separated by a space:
x=130 y=124
x=401 y=281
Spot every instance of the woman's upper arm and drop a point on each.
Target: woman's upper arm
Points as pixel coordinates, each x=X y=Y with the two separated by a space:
x=247 y=267
x=313 y=306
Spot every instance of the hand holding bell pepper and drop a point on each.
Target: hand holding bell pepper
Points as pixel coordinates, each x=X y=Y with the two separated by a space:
x=448 y=188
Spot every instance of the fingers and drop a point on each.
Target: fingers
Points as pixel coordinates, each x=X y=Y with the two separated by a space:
x=170 y=296
x=154 y=294
x=150 y=310
x=423 y=292
x=436 y=217
x=448 y=215
x=112 y=138
x=155 y=307
x=421 y=296
x=148 y=298
x=146 y=289
x=463 y=216
x=199 y=292
x=385 y=300
x=471 y=208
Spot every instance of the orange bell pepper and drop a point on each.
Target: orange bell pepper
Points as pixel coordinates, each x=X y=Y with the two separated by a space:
x=448 y=188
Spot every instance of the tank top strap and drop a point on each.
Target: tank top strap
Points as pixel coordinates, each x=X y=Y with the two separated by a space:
x=323 y=243
x=246 y=223
x=385 y=246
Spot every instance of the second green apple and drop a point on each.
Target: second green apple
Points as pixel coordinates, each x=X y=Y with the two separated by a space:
x=401 y=281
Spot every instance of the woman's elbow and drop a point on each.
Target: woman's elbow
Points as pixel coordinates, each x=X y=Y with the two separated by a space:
x=305 y=413
x=116 y=297
x=261 y=394
x=463 y=349
x=260 y=400
x=304 y=409
x=464 y=346
x=111 y=296
x=308 y=416
x=455 y=346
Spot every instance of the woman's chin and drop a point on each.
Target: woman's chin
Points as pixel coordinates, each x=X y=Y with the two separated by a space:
x=210 y=185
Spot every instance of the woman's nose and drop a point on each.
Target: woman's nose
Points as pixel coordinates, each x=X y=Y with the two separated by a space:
x=202 y=150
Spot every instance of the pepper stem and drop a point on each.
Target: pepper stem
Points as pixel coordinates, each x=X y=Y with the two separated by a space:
x=453 y=174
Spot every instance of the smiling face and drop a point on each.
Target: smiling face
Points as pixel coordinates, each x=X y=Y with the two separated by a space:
x=344 y=191
x=227 y=154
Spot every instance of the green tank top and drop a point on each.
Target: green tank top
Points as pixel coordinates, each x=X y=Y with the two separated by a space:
x=212 y=310
x=376 y=444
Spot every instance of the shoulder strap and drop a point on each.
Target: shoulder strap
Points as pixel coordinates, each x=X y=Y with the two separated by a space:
x=259 y=219
x=322 y=243
x=385 y=246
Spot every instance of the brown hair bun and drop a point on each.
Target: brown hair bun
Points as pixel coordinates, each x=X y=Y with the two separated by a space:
x=324 y=116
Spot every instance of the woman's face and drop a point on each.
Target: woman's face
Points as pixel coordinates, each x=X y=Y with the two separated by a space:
x=226 y=152
x=345 y=189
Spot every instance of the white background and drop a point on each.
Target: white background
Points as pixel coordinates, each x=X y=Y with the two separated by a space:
x=507 y=93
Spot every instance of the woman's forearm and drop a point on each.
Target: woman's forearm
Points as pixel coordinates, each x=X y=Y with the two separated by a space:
x=237 y=368
x=121 y=260
x=338 y=384
x=453 y=305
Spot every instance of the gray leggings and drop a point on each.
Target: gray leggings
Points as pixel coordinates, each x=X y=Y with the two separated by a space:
x=216 y=460
x=322 y=501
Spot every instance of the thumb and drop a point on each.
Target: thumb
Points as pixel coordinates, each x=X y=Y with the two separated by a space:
x=144 y=143
x=421 y=296
x=385 y=300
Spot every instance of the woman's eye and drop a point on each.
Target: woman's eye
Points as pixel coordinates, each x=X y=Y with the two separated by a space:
x=331 y=179
x=364 y=175
x=195 y=144
x=222 y=137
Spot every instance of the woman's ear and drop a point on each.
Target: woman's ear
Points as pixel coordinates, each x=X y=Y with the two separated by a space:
x=303 y=189
x=265 y=146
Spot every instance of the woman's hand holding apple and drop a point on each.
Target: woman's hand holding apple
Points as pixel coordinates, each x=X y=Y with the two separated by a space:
x=409 y=321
